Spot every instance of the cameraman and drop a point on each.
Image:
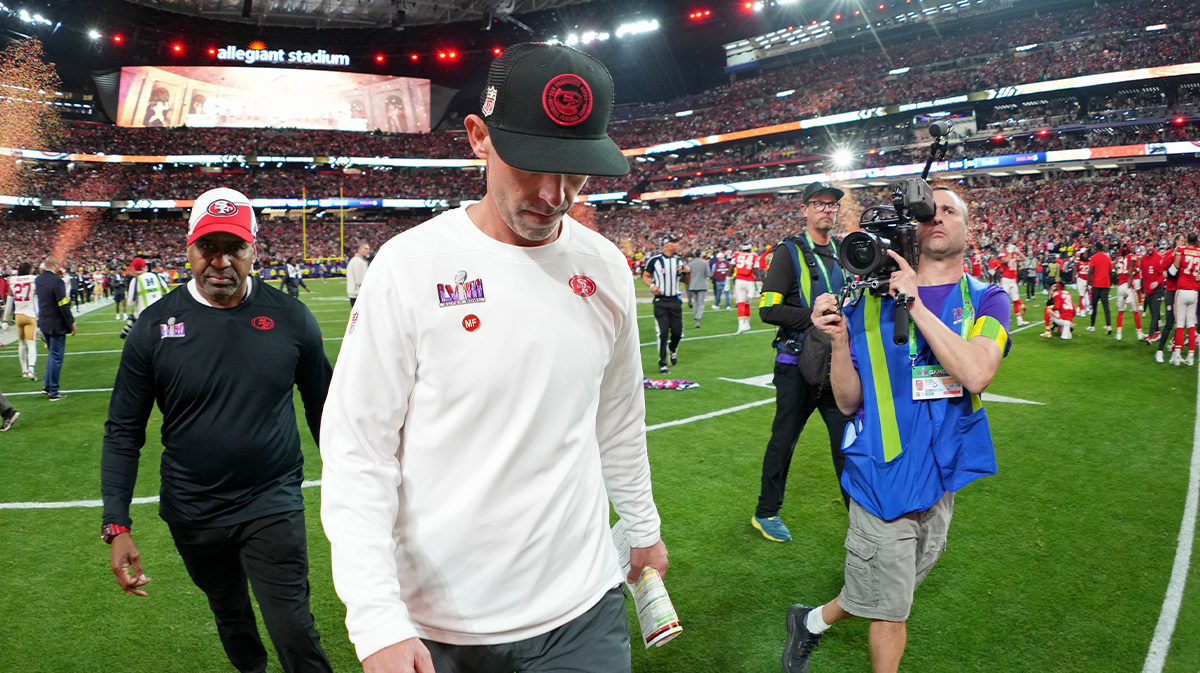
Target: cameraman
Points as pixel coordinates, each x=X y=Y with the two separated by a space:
x=906 y=457
x=786 y=301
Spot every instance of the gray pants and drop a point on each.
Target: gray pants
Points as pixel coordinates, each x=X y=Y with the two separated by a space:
x=696 y=301
x=595 y=642
x=6 y=409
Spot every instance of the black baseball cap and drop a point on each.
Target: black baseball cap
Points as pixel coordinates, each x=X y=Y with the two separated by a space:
x=547 y=108
x=818 y=187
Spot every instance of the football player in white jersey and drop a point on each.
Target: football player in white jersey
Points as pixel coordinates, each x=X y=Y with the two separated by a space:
x=23 y=303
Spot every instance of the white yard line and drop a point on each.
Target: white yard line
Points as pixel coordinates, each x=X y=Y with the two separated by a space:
x=1161 y=643
x=712 y=336
x=42 y=353
x=65 y=392
x=317 y=482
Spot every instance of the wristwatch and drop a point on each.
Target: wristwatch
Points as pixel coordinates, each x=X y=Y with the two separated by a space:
x=110 y=530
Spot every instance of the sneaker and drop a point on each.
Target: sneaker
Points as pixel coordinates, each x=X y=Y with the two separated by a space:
x=1045 y=334
x=117 y=318
x=8 y=422
x=1191 y=360
x=1118 y=335
x=674 y=357
x=1141 y=336
x=1176 y=359
x=800 y=641
x=1021 y=322
x=772 y=528
x=1158 y=357
x=697 y=324
x=1154 y=337
x=1091 y=328
x=57 y=397
x=45 y=392
x=662 y=369
x=1108 y=329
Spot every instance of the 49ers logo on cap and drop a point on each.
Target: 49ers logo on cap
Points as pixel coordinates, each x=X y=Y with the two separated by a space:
x=222 y=208
x=582 y=286
x=567 y=100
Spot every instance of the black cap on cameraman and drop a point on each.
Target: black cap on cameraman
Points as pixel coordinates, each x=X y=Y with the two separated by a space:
x=547 y=107
x=816 y=188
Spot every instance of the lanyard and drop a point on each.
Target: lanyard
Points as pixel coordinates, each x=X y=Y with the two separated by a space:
x=820 y=264
x=968 y=320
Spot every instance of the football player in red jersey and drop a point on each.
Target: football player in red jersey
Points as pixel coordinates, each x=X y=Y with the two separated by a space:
x=1011 y=258
x=1060 y=310
x=1081 y=282
x=1127 y=270
x=1152 y=287
x=744 y=264
x=1187 y=261
x=1171 y=284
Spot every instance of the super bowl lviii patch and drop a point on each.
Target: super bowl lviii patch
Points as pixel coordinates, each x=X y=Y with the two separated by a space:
x=461 y=291
x=171 y=329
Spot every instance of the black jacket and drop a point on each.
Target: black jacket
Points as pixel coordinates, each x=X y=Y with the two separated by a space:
x=54 y=306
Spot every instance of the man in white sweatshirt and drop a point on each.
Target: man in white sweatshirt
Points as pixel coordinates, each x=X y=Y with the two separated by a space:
x=356 y=270
x=487 y=405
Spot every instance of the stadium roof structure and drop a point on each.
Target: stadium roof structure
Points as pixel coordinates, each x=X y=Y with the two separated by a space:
x=352 y=13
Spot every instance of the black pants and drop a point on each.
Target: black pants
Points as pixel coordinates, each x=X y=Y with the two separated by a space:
x=1168 y=321
x=1099 y=295
x=595 y=642
x=272 y=552
x=668 y=314
x=795 y=400
x=1154 y=302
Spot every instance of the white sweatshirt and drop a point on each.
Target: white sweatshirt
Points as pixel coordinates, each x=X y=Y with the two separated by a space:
x=356 y=269
x=467 y=461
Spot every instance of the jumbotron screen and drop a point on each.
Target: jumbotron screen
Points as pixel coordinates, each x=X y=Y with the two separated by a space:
x=271 y=98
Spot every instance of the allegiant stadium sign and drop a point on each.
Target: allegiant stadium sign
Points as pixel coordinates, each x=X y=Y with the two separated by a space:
x=298 y=57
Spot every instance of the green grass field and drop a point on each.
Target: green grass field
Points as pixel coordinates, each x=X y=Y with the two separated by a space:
x=1058 y=563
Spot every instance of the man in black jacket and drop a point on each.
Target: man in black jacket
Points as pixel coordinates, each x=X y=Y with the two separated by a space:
x=221 y=356
x=786 y=301
x=55 y=322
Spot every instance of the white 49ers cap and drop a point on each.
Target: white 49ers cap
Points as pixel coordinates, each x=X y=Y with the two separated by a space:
x=222 y=209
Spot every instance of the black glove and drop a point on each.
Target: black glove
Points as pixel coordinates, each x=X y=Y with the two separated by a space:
x=128 y=326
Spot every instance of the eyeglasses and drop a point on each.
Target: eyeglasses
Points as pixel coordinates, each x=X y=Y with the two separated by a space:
x=824 y=206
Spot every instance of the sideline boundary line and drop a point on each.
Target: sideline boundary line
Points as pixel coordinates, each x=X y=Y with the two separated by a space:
x=147 y=500
x=1160 y=644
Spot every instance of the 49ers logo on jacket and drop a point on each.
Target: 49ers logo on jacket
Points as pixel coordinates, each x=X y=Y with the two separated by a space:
x=567 y=100
x=583 y=286
x=263 y=323
x=222 y=208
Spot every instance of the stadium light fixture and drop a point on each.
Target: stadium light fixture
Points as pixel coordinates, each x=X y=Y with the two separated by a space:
x=637 y=28
x=413 y=57
x=379 y=58
x=118 y=39
x=94 y=34
x=700 y=14
x=856 y=12
x=212 y=51
x=758 y=6
x=837 y=17
x=785 y=94
x=497 y=51
x=1179 y=120
x=177 y=48
x=843 y=157
x=453 y=54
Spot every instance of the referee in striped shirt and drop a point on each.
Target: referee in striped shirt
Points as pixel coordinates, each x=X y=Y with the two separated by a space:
x=663 y=274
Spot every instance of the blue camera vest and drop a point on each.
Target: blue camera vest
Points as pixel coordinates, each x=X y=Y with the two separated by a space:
x=905 y=454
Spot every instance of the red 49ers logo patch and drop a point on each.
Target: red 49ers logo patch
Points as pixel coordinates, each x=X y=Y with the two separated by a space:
x=583 y=286
x=262 y=322
x=567 y=100
x=222 y=208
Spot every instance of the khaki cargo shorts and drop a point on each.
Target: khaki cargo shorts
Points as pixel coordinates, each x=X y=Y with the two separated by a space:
x=887 y=560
